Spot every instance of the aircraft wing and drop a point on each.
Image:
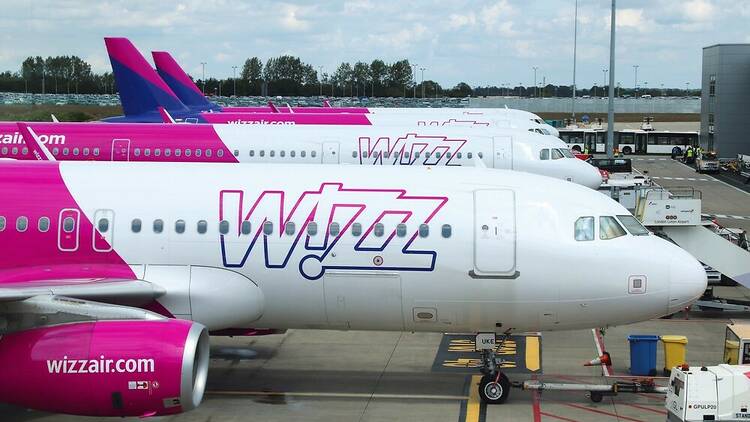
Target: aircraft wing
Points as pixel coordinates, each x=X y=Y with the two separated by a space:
x=25 y=306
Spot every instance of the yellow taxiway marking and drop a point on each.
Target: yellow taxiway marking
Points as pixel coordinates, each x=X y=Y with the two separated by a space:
x=532 y=353
x=472 y=406
x=338 y=395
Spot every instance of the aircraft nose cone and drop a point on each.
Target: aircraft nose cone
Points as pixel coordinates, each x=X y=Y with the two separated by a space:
x=590 y=176
x=687 y=281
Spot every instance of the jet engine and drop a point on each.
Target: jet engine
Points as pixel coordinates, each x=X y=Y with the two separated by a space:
x=106 y=368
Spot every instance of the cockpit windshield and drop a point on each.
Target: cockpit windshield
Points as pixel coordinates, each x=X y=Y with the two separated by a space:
x=633 y=225
x=566 y=152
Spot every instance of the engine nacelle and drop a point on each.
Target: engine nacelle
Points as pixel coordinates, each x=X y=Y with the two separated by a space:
x=106 y=368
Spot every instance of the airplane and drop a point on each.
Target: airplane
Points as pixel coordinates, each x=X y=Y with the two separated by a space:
x=507 y=149
x=186 y=90
x=112 y=275
x=142 y=91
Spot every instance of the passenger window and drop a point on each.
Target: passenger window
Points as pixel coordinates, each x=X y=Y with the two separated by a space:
x=158 y=226
x=379 y=229
x=437 y=154
x=177 y=152
x=302 y=154
x=43 y=224
x=188 y=152
x=157 y=152
x=25 y=151
x=480 y=154
x=2 y=223
x=237 y=153
x=364 y=155
x=557 y=154
x=289 y=228
x=313 y=154
x=272 y=153
x=86 y=151
x=609 y=228
x=220 y=153
x=135 y=225
x=209 y=153
x=96 y=152
x=262 y=153
x=267 y=228
x=406 y=154
x=292 y=153
x=401 y=230
x=354 y=154
x=69 y=225
x=544 y=154
x=448 y=155
x=223 y=226
x=202 y=226
x=356 y=229
x=136 y=152
x=312 y=228
x=5 y=151
x=147 y=152
x=334 y=229
x=584 y=229
x=66 y=151
x=167 y=152
x=459 y=155
x=198 y=152
x=103 y=225
x=246 y=227
x=633 y=225
x=469 y=155
x=424 y=230
x=446 y=230
x=22 y=223
x=282 y=153
x=55 y=150
x=179 y=226
x=427 y=155
x=252 y=153
x=15 y=151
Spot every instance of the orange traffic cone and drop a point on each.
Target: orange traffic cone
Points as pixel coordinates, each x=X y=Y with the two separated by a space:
x=601 y=360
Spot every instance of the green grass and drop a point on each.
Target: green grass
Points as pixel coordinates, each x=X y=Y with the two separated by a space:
x=64 y=113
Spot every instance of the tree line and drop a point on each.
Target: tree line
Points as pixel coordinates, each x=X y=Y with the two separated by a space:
x=290 y=76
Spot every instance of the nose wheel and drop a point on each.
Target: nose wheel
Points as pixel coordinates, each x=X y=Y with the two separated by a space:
x=494 y=388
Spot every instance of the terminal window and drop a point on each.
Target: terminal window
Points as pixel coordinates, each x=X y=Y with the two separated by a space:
x=712 y=86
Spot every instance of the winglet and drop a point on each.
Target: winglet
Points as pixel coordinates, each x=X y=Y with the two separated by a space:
x=54 y=118
x=165 y=116
x=326 y=104
x=36 y=147
x=273 y=107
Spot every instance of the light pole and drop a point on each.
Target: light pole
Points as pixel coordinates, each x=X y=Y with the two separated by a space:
x=414 y=80
x=635 y=84
x=234 y=81
x=43 y=79
x=520 y=85
x=687 y=89
x=535 y=88
x=605 y=71
x=320 y=72
x=611 y=102
x=645 y=87
x=422 y=69
x=575 y=50
x=662 y=90
x=203 y=78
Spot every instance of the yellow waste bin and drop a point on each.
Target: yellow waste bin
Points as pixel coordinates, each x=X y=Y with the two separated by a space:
x=674 y=352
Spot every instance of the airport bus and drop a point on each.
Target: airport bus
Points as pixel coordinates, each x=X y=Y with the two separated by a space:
x=629 y=141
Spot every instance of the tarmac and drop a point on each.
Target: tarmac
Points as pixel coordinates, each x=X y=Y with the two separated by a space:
x=385 y=376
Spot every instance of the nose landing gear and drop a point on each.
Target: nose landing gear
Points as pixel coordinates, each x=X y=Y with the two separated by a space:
x=494 y=386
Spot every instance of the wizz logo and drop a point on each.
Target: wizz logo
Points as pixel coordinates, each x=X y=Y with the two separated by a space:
x=329 y=228
x=409 y=150
x=452 y=122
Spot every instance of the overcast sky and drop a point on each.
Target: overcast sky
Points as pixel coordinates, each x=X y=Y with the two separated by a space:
x=480 y=42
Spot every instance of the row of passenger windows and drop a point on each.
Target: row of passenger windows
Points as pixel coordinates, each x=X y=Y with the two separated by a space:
x=555 y=153
x=609 y=227
x=178 y=152
x=417 y=154
x=282 y=153
x=158 y=226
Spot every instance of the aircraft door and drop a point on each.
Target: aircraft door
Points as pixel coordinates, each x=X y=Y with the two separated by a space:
x=330 y=153
x=503 y=152
x=121 y=150
x=494 y=234
x=68 y=229
x=103 y=231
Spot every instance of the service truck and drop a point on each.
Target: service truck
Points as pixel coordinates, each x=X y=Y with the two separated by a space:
x=709 y=393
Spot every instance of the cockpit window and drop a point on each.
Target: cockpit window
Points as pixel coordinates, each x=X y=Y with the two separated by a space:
x=545 y=131
x=557 y=154
x=544 y=154
x=633 y=225
x=609 y=228
x=539 y=131
x=566 y=152
x=584 y=229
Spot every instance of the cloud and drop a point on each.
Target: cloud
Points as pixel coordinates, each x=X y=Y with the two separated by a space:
x=456 y=20
x=290 y=19
x=699 y=10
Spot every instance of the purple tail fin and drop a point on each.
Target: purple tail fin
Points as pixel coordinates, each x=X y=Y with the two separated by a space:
x=141 y=88
x=180 y=82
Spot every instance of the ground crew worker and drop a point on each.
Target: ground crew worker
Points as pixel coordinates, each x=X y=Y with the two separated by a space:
x=675 y=152
x=742 y=241
x=586 y=150
x=690 y=156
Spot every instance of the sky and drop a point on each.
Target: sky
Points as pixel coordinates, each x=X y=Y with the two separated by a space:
x=479 y=42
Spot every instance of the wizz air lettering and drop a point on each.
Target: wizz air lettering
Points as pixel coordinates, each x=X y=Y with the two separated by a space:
x=452 y=122
x=17 y=138
x=259 y=122
x=409 y=150
x=332 y=227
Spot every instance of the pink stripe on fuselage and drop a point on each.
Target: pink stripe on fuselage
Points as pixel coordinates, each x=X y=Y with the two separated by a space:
x=303 y=110
x=34 y=190
x=138 y=139
x=343 y=119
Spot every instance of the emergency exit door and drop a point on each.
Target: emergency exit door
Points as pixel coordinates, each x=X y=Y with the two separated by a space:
x=330 y=153
x=503 y=154
x=121 y=150
x=494 y=233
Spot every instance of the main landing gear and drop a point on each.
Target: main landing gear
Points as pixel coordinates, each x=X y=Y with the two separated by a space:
x=494 y=386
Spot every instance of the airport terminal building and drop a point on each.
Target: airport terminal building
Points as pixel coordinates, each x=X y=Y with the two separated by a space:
x=725 y=102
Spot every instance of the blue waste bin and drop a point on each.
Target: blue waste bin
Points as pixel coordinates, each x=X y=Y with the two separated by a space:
x=643 y=354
